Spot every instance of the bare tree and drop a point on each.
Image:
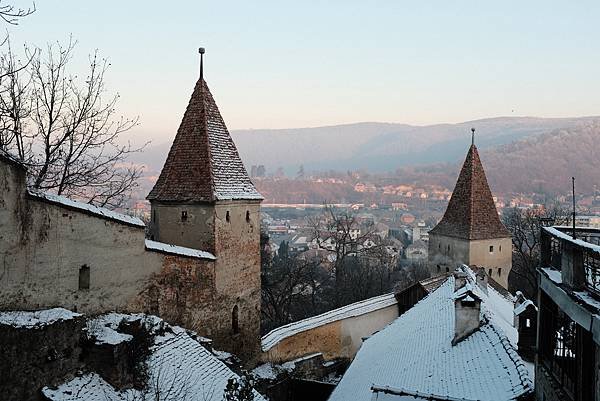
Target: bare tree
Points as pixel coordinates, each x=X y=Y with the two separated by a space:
x=66 y=129
x=340 y=233
x=11 y=14
x=525 y=226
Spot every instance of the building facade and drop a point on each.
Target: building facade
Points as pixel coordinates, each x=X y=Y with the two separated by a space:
x=470 y=231
x=200 y=268
x=568 y=337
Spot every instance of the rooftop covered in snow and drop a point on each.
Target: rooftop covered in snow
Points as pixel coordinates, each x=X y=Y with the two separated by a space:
x=179 y=367
x=415 y=354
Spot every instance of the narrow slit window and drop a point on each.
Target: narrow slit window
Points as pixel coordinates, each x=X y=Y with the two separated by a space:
x=491 y=248
x=248 y=216
x=235 y=322
x=490 y=272
x=84 y=277
x=227 y=217
x=184 y=215
x=499 y=271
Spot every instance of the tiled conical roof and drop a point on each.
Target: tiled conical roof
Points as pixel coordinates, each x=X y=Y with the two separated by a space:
x=471 y=212
x=203 y=164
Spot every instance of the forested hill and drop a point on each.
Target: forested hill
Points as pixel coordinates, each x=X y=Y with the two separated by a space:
x=546 y=163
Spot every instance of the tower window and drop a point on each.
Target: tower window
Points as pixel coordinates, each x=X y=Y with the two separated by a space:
x=184 y=215
x=490 y=272
x=154 y=215
x=500 y=248
x=84 y=277
x=491 y=248
x=235 y=323
x=227 y=217
x=499 y=271
x=248 y=216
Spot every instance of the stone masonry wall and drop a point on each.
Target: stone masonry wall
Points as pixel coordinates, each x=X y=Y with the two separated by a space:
x=237 y=277
x=33 y=358
x=44 y=245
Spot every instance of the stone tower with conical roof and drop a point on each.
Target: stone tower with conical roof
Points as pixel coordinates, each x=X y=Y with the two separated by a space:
x=471 y=231
x=204 y=199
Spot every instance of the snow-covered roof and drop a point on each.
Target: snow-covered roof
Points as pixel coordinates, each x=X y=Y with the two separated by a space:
x=87 y=208
x=272 y=338
x=178 y=366
x=564 y=236
x=415 y=353
x=178 y=250
x=29 y=320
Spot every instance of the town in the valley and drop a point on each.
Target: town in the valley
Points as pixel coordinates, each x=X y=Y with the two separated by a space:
x=218 y=278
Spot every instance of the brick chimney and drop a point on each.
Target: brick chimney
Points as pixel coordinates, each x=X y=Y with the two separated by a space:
x=467 y=310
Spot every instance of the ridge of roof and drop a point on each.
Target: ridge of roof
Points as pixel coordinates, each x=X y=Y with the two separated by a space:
x=471 y=213
x=203 y=164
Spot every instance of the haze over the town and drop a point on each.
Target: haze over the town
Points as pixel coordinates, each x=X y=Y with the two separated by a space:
x=283 y=65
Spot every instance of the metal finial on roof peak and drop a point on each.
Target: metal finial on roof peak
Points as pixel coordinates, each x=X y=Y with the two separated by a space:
x=472 y=136
x=201 y=50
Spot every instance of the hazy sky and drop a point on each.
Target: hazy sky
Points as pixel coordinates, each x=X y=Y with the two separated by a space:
x=276 y=64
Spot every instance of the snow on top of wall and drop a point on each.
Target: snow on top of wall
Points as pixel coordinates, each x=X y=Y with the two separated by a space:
x=272 y=338
x=11 y=159
x=24 y=319
x=553 y=274
x=564 y=236
x=177 y=365
x=87 y=208
x=178 y=250
x=103 y=329
x=415 y=353
x=521 y=308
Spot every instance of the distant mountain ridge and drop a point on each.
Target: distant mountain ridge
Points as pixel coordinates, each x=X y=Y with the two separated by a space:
x=374 y=146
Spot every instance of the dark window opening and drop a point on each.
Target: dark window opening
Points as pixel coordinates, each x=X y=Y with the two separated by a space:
x=184 y=215
x=499 y=271
x=227 y=217
x=490 y=272
x=84 y=277
x=248 y=216
x=154 y=215
x=439 y=268
x=567 y=351
x=235 y=324
x=491 y=248
x=447 y=270
x=500 y=248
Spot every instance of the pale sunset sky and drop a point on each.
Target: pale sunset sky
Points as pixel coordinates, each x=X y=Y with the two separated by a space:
x=283 y=64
